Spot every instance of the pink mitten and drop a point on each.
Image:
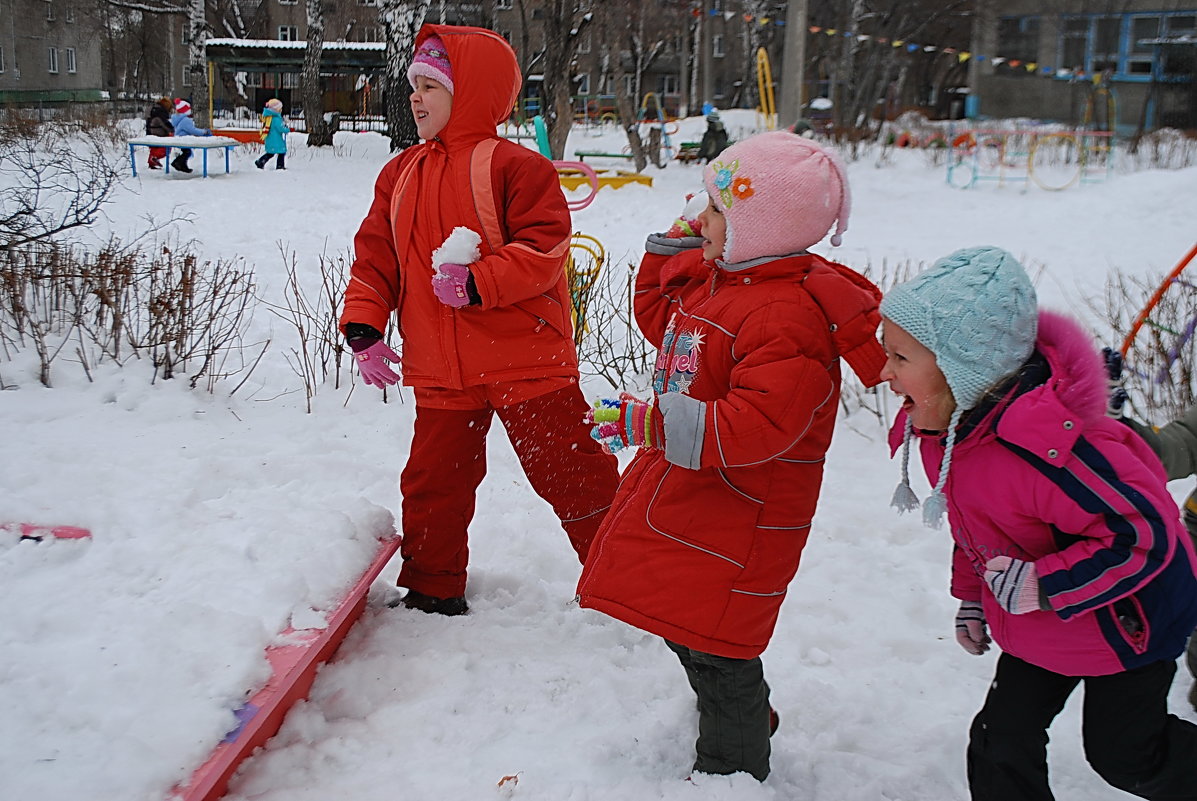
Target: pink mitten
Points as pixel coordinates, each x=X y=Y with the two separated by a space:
x=970 y=628
x=372 y=364
x=450 y=284
x=1014 y=584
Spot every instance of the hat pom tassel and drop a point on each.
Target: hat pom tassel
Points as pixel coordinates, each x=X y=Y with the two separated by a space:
x=904 y=499
x=934 y=509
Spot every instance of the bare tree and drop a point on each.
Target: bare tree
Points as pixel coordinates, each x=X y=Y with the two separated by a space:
x=319 y=134
x=564 y=23
x=54 y=179
x=401 y=21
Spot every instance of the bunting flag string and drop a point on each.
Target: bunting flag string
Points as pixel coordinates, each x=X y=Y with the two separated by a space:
x=962 y=56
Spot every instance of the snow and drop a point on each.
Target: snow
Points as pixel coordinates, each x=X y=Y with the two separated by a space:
x=460 y=247
x=218 y=520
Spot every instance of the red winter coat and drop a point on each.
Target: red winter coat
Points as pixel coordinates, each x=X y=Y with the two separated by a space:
x=510 y=195
x=703 y=556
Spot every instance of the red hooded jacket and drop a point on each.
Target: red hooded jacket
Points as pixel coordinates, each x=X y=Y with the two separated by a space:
x=468 y=176
x=703 y=556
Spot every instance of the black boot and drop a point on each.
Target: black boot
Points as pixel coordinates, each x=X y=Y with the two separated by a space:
x=180 y=165
x=261 y=163
x=449 y=607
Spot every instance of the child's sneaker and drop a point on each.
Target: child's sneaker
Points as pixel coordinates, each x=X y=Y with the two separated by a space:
x=449 y=607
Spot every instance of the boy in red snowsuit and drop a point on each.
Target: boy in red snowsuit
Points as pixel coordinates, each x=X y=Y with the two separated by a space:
x=492 y=336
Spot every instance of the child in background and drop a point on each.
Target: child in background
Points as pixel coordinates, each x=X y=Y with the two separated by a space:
x=184 y=126
x=1068 y=546
x=491 y=335
x=276 y=136
x=157 y=123
x=712 y=514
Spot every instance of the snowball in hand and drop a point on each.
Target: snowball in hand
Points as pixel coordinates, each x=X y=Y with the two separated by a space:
x=460 y=247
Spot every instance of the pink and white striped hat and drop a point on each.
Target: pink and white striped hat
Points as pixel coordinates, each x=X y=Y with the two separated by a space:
x=431 y=61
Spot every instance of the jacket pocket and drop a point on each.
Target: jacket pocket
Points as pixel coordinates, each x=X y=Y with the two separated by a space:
x=703 y=509
x=1131 y=623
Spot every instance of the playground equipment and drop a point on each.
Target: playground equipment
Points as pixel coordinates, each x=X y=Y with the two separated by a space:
x=661 y=124
x=1101 y=110
x=586 y=259
x=764 y=85
x=1052 y=160
x=571 y=179
x=572 y=168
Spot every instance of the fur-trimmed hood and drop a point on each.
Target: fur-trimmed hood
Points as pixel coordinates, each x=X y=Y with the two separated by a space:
x=1078 y=376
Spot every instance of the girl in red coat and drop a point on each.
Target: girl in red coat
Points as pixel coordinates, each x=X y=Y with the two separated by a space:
x=710 y=519
x=486 y=327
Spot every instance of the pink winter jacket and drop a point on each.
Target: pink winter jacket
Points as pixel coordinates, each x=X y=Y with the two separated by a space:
x=1042 y=475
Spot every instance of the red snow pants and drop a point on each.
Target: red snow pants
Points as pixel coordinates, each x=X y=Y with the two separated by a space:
x=563 y=463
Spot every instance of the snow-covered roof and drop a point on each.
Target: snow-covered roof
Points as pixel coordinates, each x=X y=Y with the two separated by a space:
x=280 y=44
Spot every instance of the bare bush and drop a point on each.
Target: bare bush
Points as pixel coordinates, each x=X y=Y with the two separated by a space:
x=1158 y=373
x=611 y=345
x=319 y=354
x=121 y=303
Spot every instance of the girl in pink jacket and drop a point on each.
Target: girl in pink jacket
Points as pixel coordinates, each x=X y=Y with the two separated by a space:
x=1068 y=547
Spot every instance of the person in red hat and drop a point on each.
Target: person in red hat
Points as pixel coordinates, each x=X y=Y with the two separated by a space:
x=184 y=125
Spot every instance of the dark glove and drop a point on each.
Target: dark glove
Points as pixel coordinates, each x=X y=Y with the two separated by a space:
x=1117 y=397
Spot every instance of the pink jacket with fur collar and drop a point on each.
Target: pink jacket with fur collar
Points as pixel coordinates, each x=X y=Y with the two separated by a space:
x=1042 y=475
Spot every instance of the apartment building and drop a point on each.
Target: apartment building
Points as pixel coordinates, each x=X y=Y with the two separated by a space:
x=49 y=54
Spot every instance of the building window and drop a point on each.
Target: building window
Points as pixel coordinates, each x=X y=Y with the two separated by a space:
x=717 y=46
x=1 y=58
x=253 y=79
x=503 y=5
x=669 y=85
x=1106 y=33
x=288 y=33
x=584 y=43
x=372 y=33
x=70 y=58
x=52 y=53
x=367 y=2
x=629 y=85
x=70 y=13
x=583 y=81
x=186 y=75
x=287 y=2
x=49 y=10
x=1140 y=57
x=290 y=80
x=1018 y=38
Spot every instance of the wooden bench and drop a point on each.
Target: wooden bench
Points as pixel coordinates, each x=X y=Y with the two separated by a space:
x=201 y=143
x=582 y=154
x=688 y=151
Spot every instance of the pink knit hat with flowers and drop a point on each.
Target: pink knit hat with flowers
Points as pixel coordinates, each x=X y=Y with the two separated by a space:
x=431 y=61
x=779 y=193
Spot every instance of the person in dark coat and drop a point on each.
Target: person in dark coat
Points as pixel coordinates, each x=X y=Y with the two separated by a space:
x=157 y=123
x=714 y=140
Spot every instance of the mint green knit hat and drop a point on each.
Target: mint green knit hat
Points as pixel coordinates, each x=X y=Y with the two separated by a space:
x=977 y=311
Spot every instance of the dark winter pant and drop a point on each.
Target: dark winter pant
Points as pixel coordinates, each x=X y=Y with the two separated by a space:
x=264 y=159
x=1130 y=739
x=562 y=461
x=733 y=712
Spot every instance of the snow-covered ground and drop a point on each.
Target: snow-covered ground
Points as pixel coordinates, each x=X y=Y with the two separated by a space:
x=217 y=521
